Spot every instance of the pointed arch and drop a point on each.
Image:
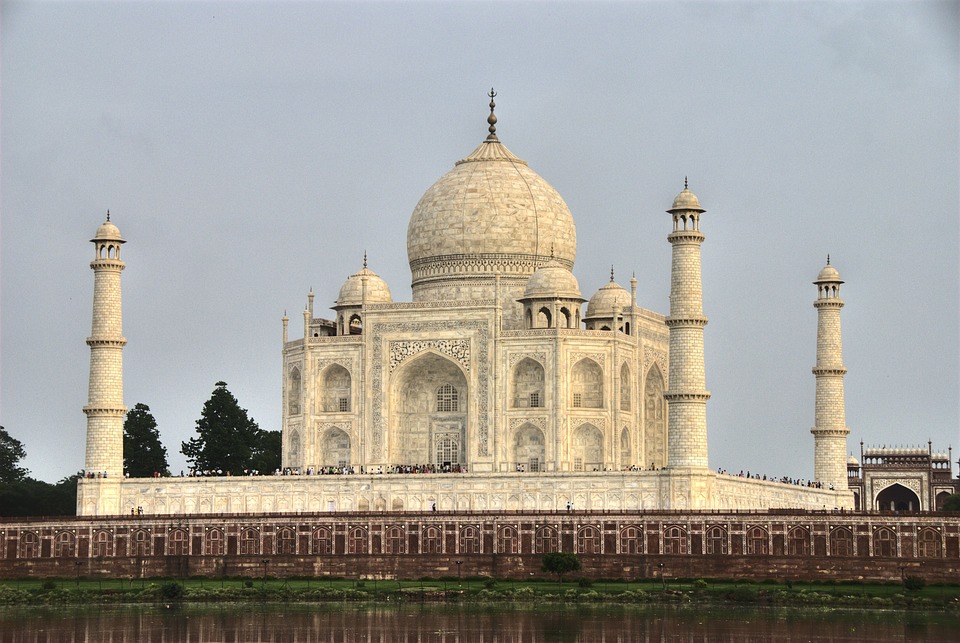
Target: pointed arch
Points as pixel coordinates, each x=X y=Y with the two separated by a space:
x=429 y=411
x=587 y=448
x=527 y=383
x=335 y=448
x=626 y=387
x=293 y=394
x=335 y=394
x=626 y=453
x=654 y=420
x=897 y=497
x=586 y=385
x=529 y=448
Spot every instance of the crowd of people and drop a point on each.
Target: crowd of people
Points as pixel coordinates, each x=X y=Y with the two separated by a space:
x=799 y=482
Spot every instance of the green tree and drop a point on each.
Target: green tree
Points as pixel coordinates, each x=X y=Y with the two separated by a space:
x=952 y=502
x=227 y=439
x=29 y=497
x=560 y=563
x=268 y=454
x=11 y=453
x=143 y=454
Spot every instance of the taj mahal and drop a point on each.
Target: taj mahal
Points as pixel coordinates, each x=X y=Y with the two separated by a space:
x=500 y=381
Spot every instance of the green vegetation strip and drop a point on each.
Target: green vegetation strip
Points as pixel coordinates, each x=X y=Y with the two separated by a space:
x=478 y=590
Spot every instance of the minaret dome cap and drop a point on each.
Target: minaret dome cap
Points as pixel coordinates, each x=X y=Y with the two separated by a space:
x=829 y=275
x=108 y=232
x=686 y=200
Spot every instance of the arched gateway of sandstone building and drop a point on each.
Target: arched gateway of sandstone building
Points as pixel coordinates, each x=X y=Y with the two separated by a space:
x=500 y=379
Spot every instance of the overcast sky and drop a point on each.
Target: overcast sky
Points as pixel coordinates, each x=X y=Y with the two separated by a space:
x=251 y=151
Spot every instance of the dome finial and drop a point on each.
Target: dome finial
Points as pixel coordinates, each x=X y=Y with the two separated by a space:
x=492 y=118
x=685 y=186
x=364 y=259
x=611 y=273
x=828 y=259
x=108 y=215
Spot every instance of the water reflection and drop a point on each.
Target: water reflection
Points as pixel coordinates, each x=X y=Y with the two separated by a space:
x=337 y=623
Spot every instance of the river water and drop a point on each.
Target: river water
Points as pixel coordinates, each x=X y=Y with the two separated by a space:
x=248 y=623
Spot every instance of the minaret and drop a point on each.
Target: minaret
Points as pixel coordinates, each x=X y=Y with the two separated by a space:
x=830 y=430
x=687 y=394
x=105 y=410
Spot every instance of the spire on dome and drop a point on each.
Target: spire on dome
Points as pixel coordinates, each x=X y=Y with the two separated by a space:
x=685 y=186
x=611 y=273
x=364 y=259
x=828 y=259
x=108 y=215
x=492 y=118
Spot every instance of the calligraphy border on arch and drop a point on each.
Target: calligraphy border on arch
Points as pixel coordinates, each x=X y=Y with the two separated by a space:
x=458 y=349
x=483 y=332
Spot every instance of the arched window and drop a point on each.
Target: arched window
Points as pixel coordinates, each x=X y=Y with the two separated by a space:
x=448 y=400
x=716 y=541
x=250 y=542
x=469 y=540
x=528 y=385
x=141 y=545
x=294 y=393
x=884 y=543
x=357 y=542
x=393 y=541
x=587 y=449
x=335 y=448
x=654 y=421
x=841 y=542
x=335 y=389
x=674 y=540
x=625 y=388
x=178 y=543
x=588 y=540
x=626 y=452
x=213 y=542
x=586 y=385
x=798 y=542
x=529 y=448
x=508 y=541
x=432 y=540
x=102 y=544
x=631 y=540
x=929 y=544
x=544 y=318
x=757 y=541
x=322 y=544
x=64 y=545
x=29 y=545
x=286 y=541
x=546 y=541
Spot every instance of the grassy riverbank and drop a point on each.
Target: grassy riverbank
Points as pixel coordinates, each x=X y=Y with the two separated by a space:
x=479 y=590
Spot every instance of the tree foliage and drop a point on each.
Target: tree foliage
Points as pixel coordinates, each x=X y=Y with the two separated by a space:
x=560 y=563
x=228 y=440
x=30 y=497
x=952 y=502
x=11 y=453
x=143 y=453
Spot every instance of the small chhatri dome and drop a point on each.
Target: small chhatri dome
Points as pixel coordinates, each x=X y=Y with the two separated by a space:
x=686 y=200
x=552 y=281
x=853 y=462
x=108 y=232
x=610 y=296
x=351 y=292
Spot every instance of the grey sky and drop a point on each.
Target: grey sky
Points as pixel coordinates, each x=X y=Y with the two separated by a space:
x=249 y=151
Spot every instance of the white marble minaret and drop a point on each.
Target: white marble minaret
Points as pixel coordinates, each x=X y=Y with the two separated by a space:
x=687 y=395
x=105 y=410
x=830 y=428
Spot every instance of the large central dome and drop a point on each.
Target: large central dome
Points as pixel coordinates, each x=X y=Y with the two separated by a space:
x=489 y=215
